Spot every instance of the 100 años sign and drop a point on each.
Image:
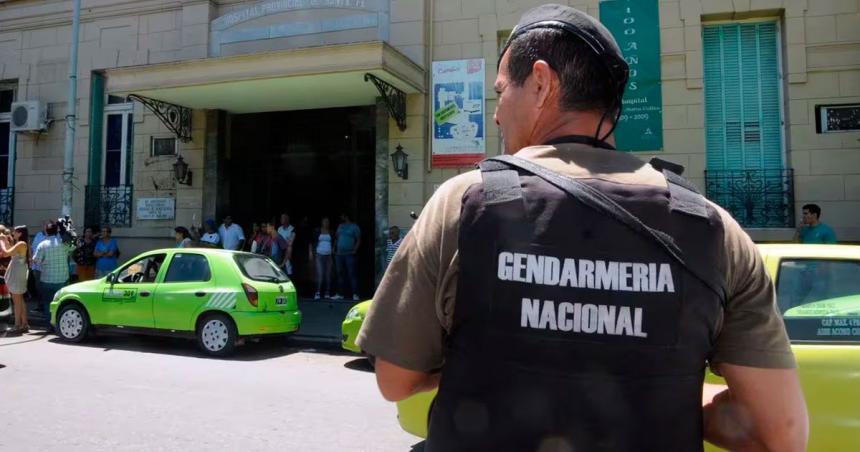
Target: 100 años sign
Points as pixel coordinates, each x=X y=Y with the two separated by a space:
x=636 y=27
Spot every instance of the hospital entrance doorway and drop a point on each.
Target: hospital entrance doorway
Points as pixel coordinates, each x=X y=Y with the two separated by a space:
x=308 y=164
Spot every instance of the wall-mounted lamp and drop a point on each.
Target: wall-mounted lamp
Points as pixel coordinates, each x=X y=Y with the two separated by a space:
x=181 y=171
x=401 y=166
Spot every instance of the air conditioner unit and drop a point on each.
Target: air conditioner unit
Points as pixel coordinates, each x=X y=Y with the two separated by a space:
x=28 y=116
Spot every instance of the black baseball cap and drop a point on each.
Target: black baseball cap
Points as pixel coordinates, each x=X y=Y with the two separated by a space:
x=577 y=25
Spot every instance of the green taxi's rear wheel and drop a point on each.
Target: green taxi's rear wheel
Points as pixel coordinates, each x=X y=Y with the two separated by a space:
x=216 y=334
x=73 y=323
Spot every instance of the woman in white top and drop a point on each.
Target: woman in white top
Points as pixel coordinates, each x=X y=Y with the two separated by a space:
x=321 y=250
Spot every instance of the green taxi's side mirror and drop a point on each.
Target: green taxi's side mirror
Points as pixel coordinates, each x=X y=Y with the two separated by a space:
x=111 y=278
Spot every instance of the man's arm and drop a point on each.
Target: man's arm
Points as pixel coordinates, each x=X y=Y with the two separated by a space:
x=357 y=240
x=396 y=383
x=763 y=410
x=39 y=255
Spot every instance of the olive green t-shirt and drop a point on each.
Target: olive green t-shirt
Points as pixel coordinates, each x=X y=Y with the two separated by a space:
x=413 y=307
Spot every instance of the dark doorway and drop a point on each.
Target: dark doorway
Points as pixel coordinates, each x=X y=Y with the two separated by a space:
x=308 y=164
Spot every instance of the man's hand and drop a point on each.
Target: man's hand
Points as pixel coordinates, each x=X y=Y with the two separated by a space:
x=396 y=383
x=763 y=410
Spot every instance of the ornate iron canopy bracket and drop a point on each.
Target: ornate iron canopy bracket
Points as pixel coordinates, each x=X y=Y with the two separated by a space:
x=176 y=117
x=394 y=99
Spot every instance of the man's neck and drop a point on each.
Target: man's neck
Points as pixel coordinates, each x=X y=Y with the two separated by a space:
x=574 y=123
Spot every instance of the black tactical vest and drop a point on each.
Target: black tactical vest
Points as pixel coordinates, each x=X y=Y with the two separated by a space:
x=577 y=328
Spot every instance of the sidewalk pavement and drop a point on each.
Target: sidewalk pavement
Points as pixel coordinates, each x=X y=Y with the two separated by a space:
x=321 y=319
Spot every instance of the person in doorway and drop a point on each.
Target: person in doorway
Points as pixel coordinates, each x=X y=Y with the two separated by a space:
x=288 y=233
x=258 y=237
x=106 y=253
x=535 y=251
x=183 y=237
x=321 y=254
x=301 y=261
x=811 y=229
x=83 y=255
x=394 y=241
x=276 y=246
x=16 y=247
x=211 y=238
x=232 y=235
x=53 y=257
x=347 y=241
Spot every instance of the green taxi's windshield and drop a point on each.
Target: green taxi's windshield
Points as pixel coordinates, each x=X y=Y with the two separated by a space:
x=820 y=299
x=260 y=268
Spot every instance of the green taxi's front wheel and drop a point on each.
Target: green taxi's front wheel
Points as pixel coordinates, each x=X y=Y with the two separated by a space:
x=216 y=334
x=73 y=323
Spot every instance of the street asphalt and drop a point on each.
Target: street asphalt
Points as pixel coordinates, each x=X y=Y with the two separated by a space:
x=135 y=393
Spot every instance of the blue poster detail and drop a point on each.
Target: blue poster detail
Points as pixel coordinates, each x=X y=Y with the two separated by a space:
x=460 y=114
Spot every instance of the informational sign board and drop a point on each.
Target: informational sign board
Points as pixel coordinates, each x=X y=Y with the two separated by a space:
x=635 y=24
x=459 y=129
x=156 y=208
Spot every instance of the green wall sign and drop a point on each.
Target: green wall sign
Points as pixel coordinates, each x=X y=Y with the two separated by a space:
x=636 y=26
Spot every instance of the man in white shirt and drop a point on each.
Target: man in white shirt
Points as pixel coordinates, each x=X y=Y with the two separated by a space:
x=231 y=234
x=288 y=232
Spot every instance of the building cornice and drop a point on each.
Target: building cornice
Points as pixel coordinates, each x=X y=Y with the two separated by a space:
x=61 y=13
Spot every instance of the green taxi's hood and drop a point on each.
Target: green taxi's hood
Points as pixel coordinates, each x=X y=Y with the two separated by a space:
x=85 y=286
x=842 y=306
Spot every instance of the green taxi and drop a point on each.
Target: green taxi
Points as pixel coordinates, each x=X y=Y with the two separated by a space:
x=218 y=297
x=818 y=293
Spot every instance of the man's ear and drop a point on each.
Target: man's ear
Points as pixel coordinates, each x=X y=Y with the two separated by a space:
x=545 y=82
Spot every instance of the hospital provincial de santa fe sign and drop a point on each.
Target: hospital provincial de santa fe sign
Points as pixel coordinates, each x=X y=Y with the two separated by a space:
x=156 y=208
x=366 y=20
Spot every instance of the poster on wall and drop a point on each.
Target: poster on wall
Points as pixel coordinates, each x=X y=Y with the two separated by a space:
x=636 y=27
x=459 y=132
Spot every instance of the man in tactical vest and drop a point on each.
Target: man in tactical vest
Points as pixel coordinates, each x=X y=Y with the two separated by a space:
x=569 y=297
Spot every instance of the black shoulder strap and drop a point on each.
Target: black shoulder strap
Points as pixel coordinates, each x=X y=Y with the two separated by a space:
x=602 y=203
x=662 y=165
x=684 y=197
x=501 y=184
x=504 y=195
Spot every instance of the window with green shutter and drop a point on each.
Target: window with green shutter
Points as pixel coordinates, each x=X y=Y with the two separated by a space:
x=743 y=123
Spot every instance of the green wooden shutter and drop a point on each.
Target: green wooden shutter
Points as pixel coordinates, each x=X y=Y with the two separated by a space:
x=743 y=126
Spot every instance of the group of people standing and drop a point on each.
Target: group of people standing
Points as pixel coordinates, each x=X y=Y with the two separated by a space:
x=40 y=268
x=319 y=253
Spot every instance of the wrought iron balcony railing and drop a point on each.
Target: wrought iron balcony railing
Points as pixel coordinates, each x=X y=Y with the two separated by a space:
x=7 y=206
x=108 y=205
x=756 y=198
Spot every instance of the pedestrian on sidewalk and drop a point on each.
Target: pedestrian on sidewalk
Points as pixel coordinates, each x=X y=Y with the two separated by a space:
x=210 y=238
x=106 y=253
x=83 y=255
x=288 y=233
x=394 y=240
x=183 y=237
x=53 y=256
x=15 y=246
x=347 y=242
x=232 y=235
x=35 y=269
x=321 y=252
x=276 y=247
x=812 y=230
